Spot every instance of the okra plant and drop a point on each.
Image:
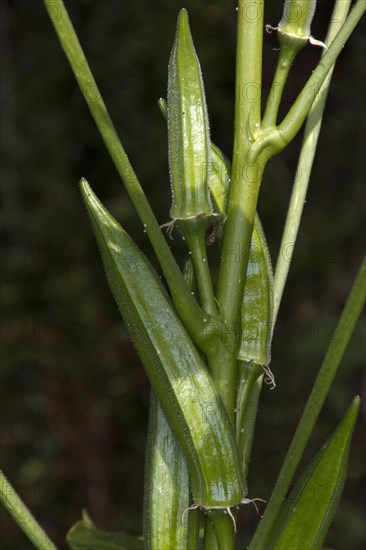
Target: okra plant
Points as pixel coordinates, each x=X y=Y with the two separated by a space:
x=206 y=344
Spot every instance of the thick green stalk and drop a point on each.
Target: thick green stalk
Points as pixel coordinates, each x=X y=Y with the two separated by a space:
x=327 y=372
x=305 y=164
x=22 y=516
x=210 y=540
x=224 y=528
x=243 y=193
x=241 y=211
x=185 y=303
x=245 y=178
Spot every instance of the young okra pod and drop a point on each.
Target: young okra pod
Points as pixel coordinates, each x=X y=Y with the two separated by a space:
x=257 y=307
x=167 y=491
x=176 y=370
x=294 y=28
x=188 y=133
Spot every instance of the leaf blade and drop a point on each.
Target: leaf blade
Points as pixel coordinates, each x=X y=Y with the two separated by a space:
x=308 y=511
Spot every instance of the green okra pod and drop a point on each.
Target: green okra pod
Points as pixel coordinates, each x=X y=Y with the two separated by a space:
x=177 y=373
x=257 y=308
x=294 y=29
x=188 y=132
x=167 y=491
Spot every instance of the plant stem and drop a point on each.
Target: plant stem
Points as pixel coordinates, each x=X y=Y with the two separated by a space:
x=298 y=112
x=242 y=203
x=305 y=164
x=243 y=192
x=244 y=185
x=209 y=541
x=22 y=516
x=224 y=529
x=185 y=303
x=196 y=243
x=327 y=372
x=278 y=84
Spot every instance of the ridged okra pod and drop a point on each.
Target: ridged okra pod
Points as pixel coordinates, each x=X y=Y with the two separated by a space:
x=257 y=306
x=167 y=490
x=294 y=27
x=188 y=133
x=257 y=311
x=176 y=370
x=167 y=494
x=189 y=156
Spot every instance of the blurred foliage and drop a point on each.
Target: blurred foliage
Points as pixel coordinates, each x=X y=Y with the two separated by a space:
x=74 y=395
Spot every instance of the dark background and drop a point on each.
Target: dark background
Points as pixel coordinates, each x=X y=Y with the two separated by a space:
x=74 y=395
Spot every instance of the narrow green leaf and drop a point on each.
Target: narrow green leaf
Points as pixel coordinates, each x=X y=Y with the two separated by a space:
x=85 y=536
x=177 y=373
x=319 y=392
x=186 y=304
x=23 y=517
x=307 y=513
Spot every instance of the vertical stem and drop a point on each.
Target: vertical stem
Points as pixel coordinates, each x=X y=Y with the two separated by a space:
x=274 y=97
x=320 y=390
x=247 y=172
x=196 y=242
x=305 y=164
x=243 y=193
x=22 y=516
x=224 y=528
x=209 y=541
x=242 y=203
